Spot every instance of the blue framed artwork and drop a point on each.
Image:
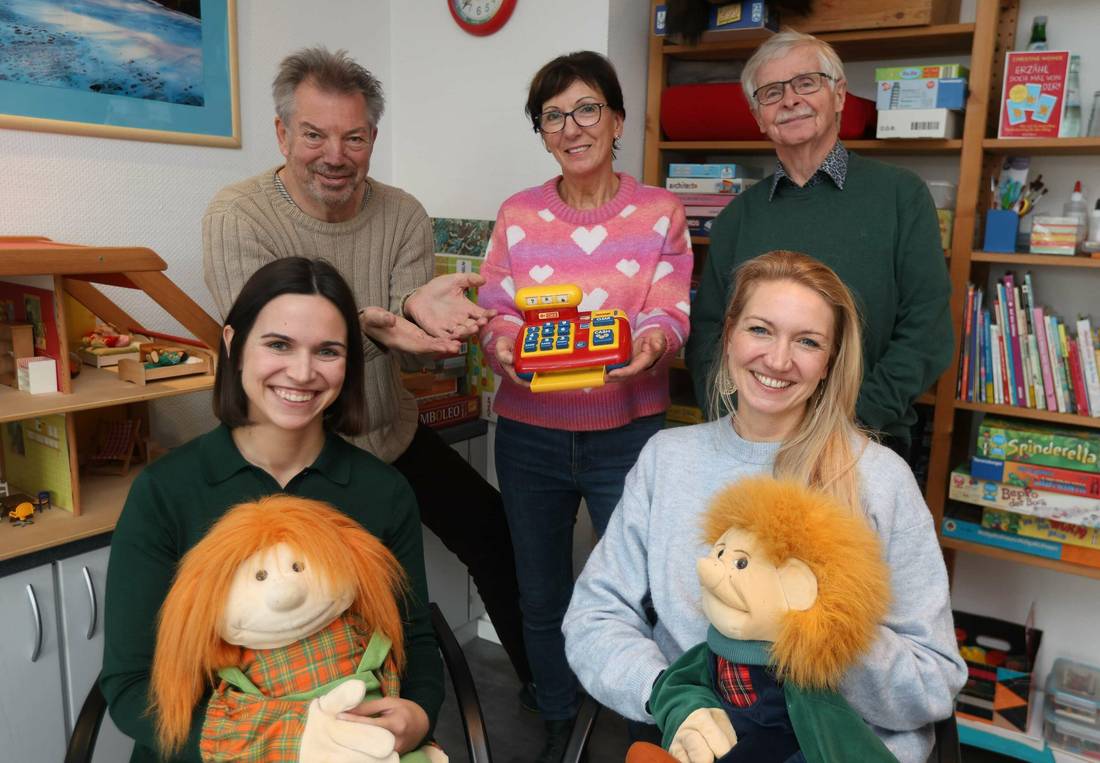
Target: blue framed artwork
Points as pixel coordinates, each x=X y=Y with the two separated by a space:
x=160 y=70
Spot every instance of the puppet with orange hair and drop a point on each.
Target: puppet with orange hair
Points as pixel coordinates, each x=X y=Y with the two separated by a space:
x=794 y=588
x=288 y=608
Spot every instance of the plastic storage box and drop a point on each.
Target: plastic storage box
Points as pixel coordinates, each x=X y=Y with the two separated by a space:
x=1071 y=716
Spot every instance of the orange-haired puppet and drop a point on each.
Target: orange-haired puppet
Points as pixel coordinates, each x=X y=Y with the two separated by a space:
x=794 y=588
x=289 y=608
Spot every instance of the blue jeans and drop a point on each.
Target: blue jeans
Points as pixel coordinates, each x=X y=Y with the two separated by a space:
x=543 y=475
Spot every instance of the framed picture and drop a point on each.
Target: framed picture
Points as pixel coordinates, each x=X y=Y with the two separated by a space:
x=160 y=70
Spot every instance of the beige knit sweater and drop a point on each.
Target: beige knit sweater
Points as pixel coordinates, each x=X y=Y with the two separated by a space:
x=384 y=252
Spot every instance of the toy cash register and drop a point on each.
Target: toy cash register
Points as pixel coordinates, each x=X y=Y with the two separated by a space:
x=560 y=347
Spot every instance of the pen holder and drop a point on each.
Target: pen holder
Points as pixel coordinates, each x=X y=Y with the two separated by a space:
x=1000 y=230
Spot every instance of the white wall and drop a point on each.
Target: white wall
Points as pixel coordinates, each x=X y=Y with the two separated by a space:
x=101 y=191
x=461 y=142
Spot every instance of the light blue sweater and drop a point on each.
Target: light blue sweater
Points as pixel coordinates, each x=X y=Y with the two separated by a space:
x=907 y=681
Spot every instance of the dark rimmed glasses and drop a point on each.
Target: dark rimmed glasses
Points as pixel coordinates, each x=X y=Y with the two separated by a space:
x=585 y=115
x=801 y=84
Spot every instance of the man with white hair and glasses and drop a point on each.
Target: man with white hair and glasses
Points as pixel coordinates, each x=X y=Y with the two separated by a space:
x=874 y=224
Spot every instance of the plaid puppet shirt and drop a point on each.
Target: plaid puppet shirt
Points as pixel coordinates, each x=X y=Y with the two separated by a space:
x=734 y=683
x=266 y=727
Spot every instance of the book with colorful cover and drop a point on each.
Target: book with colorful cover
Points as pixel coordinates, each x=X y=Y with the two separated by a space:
x=1037 y=477
x=1079 y=510
x=1062 y=447
x=1080 y=394
x=1033 y=95
x=1066 y=533
x=1014 y=333
x=1039 y=322
x=1087 y=354
x=1057 y=368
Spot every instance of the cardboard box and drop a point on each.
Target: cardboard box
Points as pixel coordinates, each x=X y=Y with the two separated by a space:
x=446 y=411
x=847 y=15
x=738 y=18
x=920 y=94
x=37 y=375
x=999 y=683
x=919 y=123
x=725 y=170
x=930 y=71
x=708 y=185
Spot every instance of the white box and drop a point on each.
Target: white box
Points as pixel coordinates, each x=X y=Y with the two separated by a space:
x=37 y=375
x=918 y=123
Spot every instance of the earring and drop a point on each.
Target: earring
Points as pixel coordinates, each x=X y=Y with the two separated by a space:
x=724 y=382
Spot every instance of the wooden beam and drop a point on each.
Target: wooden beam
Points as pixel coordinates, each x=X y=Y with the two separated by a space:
x=65 y=380
x=651 y=163
x=180 y=306
x=100 y=306
x=47 y=260
x=107 y=279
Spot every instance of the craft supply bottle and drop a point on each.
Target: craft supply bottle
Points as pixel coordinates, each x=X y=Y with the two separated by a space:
x=1038 y=39
x=1078 y=209
x=1071 y=120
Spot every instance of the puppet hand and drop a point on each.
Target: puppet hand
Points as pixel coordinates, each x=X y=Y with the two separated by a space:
x=327 y=738
x=703 y=737
x=441 y=308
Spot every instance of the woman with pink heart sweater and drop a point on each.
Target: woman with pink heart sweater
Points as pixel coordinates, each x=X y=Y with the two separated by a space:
x=626 y=246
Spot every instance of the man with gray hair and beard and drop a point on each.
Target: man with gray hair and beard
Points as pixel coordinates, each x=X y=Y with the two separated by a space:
x=874 y=224
x=321 y=203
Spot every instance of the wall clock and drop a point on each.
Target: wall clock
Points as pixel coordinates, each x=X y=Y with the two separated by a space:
x=481 y=17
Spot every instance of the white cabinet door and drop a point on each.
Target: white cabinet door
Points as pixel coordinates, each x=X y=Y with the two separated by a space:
x=32 y=723
x=82 y=582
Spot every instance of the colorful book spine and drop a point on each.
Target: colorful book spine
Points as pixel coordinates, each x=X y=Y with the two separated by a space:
x=1063 y=343
x=1014 y=333
x=708 y=185
x=1006 y=336
x=1042 y=528
x=706 y=199
x=1080 y=393
x=1077 y=510
x=962 y=390
x=985 y=382
x=1037 y=477
x=1088 y=363
x=1038 y=321
x=996 y=366
x=1056 y=364
x=1040 y=400
x=688 y=170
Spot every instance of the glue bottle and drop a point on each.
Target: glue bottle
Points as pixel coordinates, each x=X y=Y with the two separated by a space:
x=1078 y=209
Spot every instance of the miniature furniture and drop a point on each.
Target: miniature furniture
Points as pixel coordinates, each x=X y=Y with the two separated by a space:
x=118 y=443
x=86 y=729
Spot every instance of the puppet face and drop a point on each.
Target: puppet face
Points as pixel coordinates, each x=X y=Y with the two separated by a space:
x=276 y=598
x=745 y=596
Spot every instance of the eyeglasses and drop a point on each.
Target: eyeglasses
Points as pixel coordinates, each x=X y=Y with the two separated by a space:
x=585 y=115
x=802 y=84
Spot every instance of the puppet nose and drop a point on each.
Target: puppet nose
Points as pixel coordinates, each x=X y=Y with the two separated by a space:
x=286 y=597
x=711 y=572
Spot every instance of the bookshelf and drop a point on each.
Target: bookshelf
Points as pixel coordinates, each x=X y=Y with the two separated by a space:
x=986 y=40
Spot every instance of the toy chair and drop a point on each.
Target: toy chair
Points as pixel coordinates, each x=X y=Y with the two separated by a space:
x=86 y=729
x=118 y=443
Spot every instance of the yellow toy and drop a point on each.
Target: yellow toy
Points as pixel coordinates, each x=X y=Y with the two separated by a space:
x=23 y=514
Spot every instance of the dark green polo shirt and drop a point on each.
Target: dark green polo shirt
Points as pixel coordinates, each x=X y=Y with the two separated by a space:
x=172 y=504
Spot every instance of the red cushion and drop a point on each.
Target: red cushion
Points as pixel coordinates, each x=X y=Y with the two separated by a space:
x=719 y=111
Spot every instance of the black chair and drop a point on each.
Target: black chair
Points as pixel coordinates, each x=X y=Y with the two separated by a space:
x=86 y=729
x=946 y=748
x=582 y=730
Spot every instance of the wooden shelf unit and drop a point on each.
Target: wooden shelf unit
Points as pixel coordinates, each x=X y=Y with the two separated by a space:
x=76 y=271
x=987 y=39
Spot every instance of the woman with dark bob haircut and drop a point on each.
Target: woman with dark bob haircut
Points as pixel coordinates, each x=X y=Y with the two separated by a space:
x=626 y=246
x=289 y=383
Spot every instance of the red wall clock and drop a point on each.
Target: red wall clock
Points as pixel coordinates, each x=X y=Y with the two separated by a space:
x=481 y=17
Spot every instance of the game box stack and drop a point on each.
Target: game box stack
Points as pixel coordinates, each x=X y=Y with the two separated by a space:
x=1030 y=488
x=705 y=190
x=920 y=101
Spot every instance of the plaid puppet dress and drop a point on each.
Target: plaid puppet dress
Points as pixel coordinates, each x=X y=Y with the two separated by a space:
x=258 y=711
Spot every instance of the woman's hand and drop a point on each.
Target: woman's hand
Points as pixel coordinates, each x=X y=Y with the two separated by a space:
x=440 y=306
x=503 y=349
x=403 y=718
x=397 y=333
x=649 y=346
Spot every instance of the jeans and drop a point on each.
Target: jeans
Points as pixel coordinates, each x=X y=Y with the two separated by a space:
x=543 y=475
x=465 y=511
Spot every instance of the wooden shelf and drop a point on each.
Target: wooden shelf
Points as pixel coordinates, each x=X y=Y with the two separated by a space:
x=702 y=240
x=1022 y=258
x=863 y=45
x=1042 y=146
x=678 y=363
x=1019 y=558
x=897 y=147
x=1070 y=419
x=101 y=498
x=95 y=388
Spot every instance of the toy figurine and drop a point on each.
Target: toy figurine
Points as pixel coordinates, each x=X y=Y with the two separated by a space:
x=22 y=514
x=105 y=335
x=165 y=356
x=794 y=589
x=293 y=606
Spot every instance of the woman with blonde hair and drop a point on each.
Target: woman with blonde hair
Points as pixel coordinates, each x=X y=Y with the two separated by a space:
x=789 y=373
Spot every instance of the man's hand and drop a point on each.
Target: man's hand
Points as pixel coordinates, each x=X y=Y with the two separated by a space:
x=703 y=737
x=440 y=306
x=503 y=349
x=327 y=737
x=648 y=348
x=397 y=333
x=403 y=718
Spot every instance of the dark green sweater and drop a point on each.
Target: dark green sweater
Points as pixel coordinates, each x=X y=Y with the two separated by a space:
x=171 y=506
x=881 y=236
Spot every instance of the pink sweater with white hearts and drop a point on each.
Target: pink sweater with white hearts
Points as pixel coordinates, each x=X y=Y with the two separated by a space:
x=633 y=253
